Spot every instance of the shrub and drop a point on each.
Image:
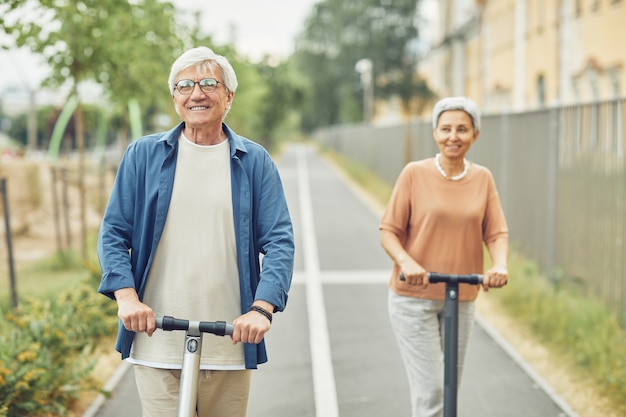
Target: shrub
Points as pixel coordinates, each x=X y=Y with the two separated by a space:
x=574 y=325
x=44 y=351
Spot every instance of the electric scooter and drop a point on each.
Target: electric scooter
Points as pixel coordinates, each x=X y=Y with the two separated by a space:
x=191 y=357
x=451 y=317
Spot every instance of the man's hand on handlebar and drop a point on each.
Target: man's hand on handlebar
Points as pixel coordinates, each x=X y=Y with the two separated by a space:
x=135 y=315
x=252 y=326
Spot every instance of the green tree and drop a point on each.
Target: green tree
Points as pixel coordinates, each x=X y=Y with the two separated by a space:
x=115 y=43
x=141 y=45
x=46 y=117
x=337 y=35
x=126 y=48
x=286 y=90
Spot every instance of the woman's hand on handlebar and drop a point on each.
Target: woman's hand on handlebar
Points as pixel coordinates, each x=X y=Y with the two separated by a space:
x=135 y=315
x=495 y=277
x=414 y=274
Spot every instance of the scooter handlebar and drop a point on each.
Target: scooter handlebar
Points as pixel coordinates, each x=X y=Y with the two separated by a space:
x=435 y=277
x=218 y=328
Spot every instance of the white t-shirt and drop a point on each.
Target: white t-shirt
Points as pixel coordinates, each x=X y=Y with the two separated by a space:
x=194 y=275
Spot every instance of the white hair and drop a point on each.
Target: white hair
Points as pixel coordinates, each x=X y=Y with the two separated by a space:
x=203 y=57
x=457 y=103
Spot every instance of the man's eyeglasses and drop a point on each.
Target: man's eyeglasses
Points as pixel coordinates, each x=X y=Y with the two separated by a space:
x=207 y=85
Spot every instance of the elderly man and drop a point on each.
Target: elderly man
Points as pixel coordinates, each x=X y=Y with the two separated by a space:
x=189 y=215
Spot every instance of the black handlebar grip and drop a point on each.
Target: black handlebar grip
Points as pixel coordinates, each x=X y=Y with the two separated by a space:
x=169 y=323
x=434 y=277
x=472 y=279
x=219 y=328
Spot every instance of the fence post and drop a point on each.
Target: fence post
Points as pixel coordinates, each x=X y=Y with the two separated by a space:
x=552 y=198
x=7 y=227
x=66 y=208
x=503 y=176
x=55 y=208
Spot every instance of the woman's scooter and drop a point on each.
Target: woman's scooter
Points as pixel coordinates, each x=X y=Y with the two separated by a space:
x=450 y=351
x=187 y=397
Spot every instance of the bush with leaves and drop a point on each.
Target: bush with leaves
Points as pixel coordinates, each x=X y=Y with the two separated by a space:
x=45 y=350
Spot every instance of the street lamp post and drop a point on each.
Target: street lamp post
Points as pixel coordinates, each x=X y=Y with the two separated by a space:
x=364 y=67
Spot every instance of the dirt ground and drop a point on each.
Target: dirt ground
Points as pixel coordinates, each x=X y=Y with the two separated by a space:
x=45 y=206
x=37 y=235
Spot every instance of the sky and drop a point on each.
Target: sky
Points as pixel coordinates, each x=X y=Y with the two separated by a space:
x=261 y=26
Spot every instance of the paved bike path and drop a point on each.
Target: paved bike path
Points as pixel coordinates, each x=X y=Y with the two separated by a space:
x=351 y=366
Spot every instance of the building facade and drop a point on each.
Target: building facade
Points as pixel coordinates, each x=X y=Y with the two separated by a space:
x=523 y=55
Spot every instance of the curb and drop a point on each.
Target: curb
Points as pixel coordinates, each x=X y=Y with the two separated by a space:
x=109 y=387
x=545 y=387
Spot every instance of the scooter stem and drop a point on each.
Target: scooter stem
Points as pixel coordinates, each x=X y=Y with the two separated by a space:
x=190 y=371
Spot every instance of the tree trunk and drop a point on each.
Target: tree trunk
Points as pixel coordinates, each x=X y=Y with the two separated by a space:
x=80 y=140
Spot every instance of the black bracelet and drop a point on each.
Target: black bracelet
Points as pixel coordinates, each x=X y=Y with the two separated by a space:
x=266 y=313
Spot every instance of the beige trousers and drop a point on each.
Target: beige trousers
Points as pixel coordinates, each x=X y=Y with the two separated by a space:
x=220 y=393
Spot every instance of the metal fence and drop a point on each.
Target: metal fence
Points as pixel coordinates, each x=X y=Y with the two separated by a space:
x=561 y=178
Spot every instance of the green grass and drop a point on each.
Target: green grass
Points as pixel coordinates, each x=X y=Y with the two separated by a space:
x=576 y=328
x=580 y=330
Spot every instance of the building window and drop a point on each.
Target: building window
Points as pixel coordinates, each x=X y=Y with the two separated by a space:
x=578 y=8
x=595 y=89
x=595 y=5
x=541 y=91
x=576 y=90
x=614 y=80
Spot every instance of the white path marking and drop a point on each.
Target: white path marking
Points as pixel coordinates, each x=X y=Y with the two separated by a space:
x=323 y=374
x=352 y=277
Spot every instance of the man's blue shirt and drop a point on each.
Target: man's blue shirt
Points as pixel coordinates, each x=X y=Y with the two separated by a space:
x=137 y=209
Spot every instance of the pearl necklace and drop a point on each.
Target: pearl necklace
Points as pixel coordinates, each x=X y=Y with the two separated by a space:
x=443 y=173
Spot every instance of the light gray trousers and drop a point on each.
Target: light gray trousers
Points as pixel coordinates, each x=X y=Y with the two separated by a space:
x=419 y=328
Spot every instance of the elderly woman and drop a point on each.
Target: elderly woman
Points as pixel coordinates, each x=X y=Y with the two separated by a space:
x=190 y=213
x=441 y=212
